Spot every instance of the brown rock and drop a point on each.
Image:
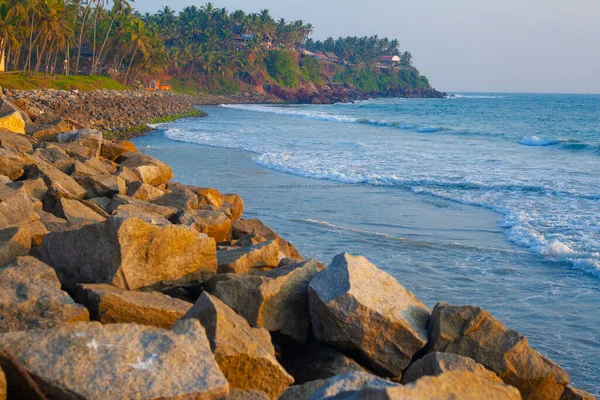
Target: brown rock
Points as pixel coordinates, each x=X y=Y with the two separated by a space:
x=209 y=196
x=57 y=180
x=244 y=227
x=129 y=254
x=142 y=191
x=276 y=300
x=127 y=174
x=236 y=394
x=101 y=202
x=111 y=305
x=355 y=306
x=164 y=211
x=14 y=242
x=134 y=211
x=15 y=208
x=12 y=121
x=11 y=165
x=75 y=212
x=235 y=203
x=101 y=166
x=76 y=151
x=57 y=157
x=472 y=332
x=30 y=298
x=434 y=364
x=148 y=169
x=244 y=361
x=115 y=361
x=14 y=142
x=112 y=151
x=214 y=224
x=36 y=189
x=572 y=393
x=239 y=261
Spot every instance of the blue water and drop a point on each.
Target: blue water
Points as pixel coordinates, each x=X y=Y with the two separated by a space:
x=487 y=199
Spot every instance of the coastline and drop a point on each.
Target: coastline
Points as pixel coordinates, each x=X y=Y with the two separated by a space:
x=94 y=193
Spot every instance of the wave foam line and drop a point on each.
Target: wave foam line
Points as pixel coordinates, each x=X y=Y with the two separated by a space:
x=349 y=230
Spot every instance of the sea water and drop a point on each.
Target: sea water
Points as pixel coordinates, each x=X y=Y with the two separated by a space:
x=485 y=199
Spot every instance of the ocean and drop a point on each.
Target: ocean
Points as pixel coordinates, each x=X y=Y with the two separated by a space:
x=485 y=199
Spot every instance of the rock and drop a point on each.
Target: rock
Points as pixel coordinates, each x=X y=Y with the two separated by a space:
x=101 y=202
x=572 y=393
x=236 y=394
x=244 y=361
x=148 y=169
x=82 y=170
x=102 y=185
x=225 y=210
x=112 y=151
x=75 y=212
x=434 y=364
x=57 y=180
x=11 y=165
x=180 y=199
x=214 y=224
x=316 y=361
x=244 y=227
x=127 y=174
x=101 y=166
x=3 y=386
x=89 y=138
x=14 y=242
x=4 y=180
x=52 y=222
x=208 y=196
x=342 y=386
x=276 y=300
x=239 y=261
x=12 y=121
x=134 y=211
x=15 y=208
x=36 y=189
x=235 y=203
x=76 y=151
x=472 y=332
x=49 y=130
x=30 y=298
x=57 y=157
x=164 y=211
x=303 y=391
x=129 y=254
x=111 y=305
x=15 y=142
x=356 y=307
x=447 y=386
x=115 y=361
x=142 y=191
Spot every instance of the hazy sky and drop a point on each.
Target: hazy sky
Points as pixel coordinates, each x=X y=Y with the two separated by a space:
x=462 y=45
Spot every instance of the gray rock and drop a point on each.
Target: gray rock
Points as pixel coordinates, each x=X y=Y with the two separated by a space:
x=276 y=300
x=111 y=305
x=472 y=332
x=57 y=180
x=303 y=391
x=357 y=307
x=129 y=254
x=241 y=355
x=89 y=138
x=36 y=189
x=115 y=361
x=31 y=298
x=349 y=383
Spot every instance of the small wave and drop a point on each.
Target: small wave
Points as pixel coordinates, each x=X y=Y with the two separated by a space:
x=430 y=129
x=538 y=141
x=475 y=96
x=346 y=229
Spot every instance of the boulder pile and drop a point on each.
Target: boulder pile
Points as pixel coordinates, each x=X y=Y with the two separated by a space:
x=116 y=282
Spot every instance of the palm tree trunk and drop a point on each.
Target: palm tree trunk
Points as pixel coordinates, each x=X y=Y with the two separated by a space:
x=130 y=63
x=28 y=62
x=85 y=13
x=104 y=43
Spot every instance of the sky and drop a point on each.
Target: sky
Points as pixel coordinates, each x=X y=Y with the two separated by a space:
x=461 y=45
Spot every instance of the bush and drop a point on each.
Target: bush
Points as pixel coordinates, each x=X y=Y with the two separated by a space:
x=282 y=68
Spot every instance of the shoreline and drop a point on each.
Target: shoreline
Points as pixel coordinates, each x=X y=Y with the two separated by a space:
x=76 y=205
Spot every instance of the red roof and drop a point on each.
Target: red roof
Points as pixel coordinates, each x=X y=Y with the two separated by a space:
x=387 y=58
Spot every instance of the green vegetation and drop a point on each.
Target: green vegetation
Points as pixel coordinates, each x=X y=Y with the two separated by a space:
x=52 y=43
x=17 y=81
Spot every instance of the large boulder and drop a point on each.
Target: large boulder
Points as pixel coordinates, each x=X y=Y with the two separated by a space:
x=302 y=391
x=276 y=300
x=135 y=211
x=241 y=260
x=11 y=164
x=434 y=364
x=15 y=208
x=115 y=361
x=215 y=224
x=112 y=151
x=572 y=393
x=142 y=191
x=31 y=298
x=57 y=157
x=182 y=199
x=356 y=307
x=12 y=121
x=129 y=254
x=472 y=332
x=14 y=242
x=89 y=138
x=235 y=203
x=102 y=185
x=75 y=211
x=56 y=179
x=447 y=386
x=15 y=142
x=111 y=305
x=164 y=211
x=148 y=169
x=246 y=362
x=36 y=189
x=245 y=227
x=315 y=361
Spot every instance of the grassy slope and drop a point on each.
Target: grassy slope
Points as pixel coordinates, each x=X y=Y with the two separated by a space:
x=15 y=80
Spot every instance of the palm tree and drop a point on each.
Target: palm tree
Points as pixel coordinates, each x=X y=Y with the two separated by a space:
x=9 y=22
x=120 y=8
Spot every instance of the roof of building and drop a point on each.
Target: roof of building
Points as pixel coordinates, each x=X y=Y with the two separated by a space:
x=331 y=55
x=389 y=58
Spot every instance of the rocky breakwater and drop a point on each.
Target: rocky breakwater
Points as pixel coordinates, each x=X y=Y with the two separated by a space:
x=117 y=282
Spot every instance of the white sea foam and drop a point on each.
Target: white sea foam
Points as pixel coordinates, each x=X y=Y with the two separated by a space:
x=349 y=230
x=476 y=96
x=538 y=141
x=287 y=111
